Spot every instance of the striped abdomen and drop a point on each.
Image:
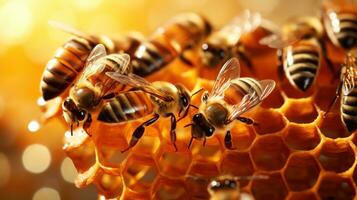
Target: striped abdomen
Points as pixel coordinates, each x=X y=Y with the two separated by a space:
x=346 y=32
x=241 y=87
x=301 y=62
x=64 y=67
x=169 y=41
x=125 y=107
x=349 y=109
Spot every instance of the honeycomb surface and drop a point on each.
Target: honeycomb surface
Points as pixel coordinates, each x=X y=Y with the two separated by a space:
x=304 y=155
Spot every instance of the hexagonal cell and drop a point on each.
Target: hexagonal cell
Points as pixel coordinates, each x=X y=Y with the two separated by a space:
x=274 y=100
x=203 y=169
x=333 y=186
x=149 y=143
x=173 y=164
x=301 y=172
x=333 y=127
x=336 y=156
x=111 y=159
x=301 y=136
x=272 y=188
x=242 y=136
x=355 y=175
x=131 y=195
x=269 y=152
x=139 y=173
x=109 y=186
x=197 y=187
x=354 y=139
x=270 y=121
x=212 y=151
x=324 y=96
x=237 y=164
x=303 y=195
x=299 y=110
x=164 y=188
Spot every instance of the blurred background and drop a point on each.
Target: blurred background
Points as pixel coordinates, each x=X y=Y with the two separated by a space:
x=32 y=163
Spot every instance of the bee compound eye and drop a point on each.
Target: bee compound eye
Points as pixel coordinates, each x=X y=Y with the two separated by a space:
x=81 y=115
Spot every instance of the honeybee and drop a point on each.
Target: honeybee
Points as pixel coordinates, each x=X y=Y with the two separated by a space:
x=160 y=99
x=224 y=43
x=183 y=32
x=300 y=49
x=227 y=188
x=69 y=60
x=230 y=97
x=94 y=85
x=340 y=21
x=347 y=88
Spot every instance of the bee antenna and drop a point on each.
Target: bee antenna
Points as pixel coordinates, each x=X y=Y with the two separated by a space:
x=191 y=105
x=198 y=91
x=187 y=125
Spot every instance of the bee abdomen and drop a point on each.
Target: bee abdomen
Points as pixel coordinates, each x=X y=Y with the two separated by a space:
x=347 y=34
x=349 y=110
x=62 y=70
x=303 y=69
x=125 y=107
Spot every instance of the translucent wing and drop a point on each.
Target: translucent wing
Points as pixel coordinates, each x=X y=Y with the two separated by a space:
x=93 y=67
x=252 y=99
x=229 y=71
x=138 y=82
x=278 y=41
x=348 y=77
x=71 y=30
x=248 y=21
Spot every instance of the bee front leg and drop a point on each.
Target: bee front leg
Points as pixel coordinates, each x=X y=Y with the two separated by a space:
x=228 y=141
x=173 y=129
x=337 y=95
x=247 y=121
x=87 y=124
x=139 y=131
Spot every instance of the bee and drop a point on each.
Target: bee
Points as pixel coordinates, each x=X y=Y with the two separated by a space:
x=230 y=97
x=160 y=99
x=225 y=42
x=94 y=85
x=347 y=88
x=300 y=49
x=69 y=60
x=340 y=21
x=181 y=33
x=227 y=187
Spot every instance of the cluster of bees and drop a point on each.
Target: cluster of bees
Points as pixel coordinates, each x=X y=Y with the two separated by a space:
x=102 y=79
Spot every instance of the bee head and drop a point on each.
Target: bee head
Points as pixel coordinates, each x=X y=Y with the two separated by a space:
x=201 y=127
x=213 y=55
x=72 y=113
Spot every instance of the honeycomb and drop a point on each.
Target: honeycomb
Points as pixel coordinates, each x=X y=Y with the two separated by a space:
x=304 y=155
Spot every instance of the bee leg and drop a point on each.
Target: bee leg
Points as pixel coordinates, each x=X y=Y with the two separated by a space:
x=247 y=121
x=109 y=96
x=87 y=124
x=71 y=129
x=139 y=131
x=204 y=141
x=337 y=95
x=279 y=53
x=190 y=143
x=228 y=141
x=173 y=129
x=185 y=60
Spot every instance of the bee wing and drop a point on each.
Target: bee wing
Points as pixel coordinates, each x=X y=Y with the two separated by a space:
x=248 y=21
x=348 y=77
x=93 y=67
x=138 y=82
x=277 y=41
x=71 y=30
x=252 y=99
x=229 y=71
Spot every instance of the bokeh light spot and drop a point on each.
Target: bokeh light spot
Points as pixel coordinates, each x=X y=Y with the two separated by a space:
x=46 y=193
x=33 y=126
x=68 y=171
x=36 y=158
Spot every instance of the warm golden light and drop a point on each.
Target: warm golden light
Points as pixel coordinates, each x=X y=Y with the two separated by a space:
x=68 y=171
x=4 y=169
x=17 y=18
x=33 y=126
x=46 y=193
x=36 y=158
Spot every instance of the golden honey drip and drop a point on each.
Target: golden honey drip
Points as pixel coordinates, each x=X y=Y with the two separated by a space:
x=304 y=155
